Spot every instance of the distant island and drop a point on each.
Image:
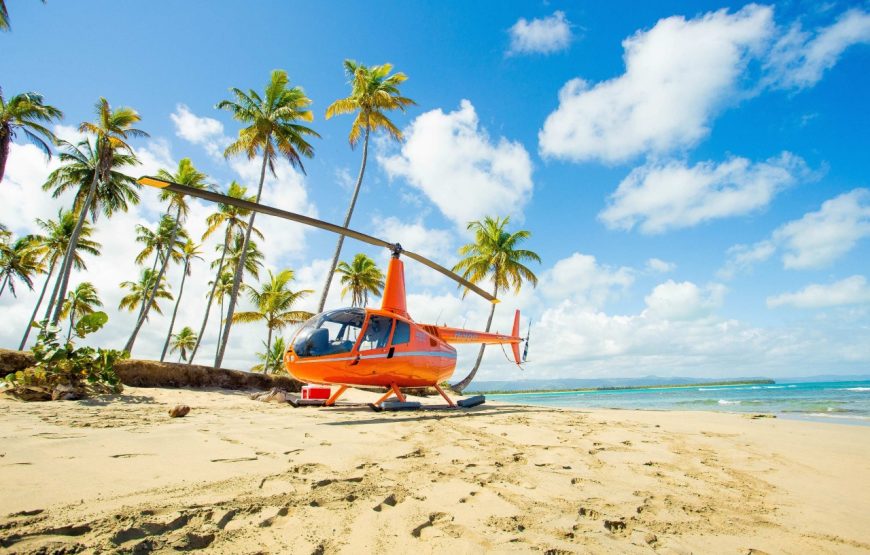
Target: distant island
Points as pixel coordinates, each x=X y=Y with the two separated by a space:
x=625 y=387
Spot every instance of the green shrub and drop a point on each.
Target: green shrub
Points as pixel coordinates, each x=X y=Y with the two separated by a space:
x=63 y=371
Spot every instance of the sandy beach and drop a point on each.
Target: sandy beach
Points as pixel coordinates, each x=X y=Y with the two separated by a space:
x=241 y=476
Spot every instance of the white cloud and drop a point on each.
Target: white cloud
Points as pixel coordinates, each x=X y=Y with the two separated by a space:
x=683 y=301
x=541 y=35
x=459 y=168
x=678 y=76
x=814 y=241
x=741 y=258
x=580 y=278
x=798 y=60
x=200 y=130
x=658 y=197
x=820 y=237
x=660 y=266
x=852 y=290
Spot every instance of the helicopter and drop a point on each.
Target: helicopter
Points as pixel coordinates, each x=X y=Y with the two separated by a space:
x=368 y=347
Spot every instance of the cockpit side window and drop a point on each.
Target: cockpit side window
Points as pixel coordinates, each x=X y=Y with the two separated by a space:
x=402 y=335
x=377 y=333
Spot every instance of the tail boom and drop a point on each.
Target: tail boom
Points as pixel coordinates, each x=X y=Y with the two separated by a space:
x=463 y=336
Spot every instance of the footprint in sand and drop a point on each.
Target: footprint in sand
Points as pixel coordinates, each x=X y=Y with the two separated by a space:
x=239 y=459
x=130 y=455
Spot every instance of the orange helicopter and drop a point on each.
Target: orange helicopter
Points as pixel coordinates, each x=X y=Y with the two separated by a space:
x=370 y=347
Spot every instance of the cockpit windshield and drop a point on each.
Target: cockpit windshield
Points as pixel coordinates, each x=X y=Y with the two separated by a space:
x=329 y=333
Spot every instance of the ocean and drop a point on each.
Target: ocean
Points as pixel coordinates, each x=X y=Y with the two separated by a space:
x=845 y=402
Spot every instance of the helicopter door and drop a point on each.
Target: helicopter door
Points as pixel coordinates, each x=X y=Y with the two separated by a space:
x=376 y=337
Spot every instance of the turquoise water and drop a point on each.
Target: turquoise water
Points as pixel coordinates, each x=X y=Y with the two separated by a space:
x=846 y=402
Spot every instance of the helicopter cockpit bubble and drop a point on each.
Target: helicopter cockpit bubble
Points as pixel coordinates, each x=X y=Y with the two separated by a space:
x=329 y=333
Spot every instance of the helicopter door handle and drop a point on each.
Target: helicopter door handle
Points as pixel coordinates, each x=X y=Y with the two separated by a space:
x=355 y=361
x=390 y=354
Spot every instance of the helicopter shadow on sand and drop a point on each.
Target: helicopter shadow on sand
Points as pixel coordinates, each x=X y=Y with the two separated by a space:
x=422 y=415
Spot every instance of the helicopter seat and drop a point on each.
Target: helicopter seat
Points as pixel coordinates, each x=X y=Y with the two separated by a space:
x=318 y=342
x=338 y=346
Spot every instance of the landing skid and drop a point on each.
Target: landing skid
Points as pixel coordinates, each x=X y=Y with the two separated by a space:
x=400 y=403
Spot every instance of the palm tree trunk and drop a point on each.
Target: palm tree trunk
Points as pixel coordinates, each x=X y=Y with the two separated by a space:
x=211 y=296
x=220 y=319
x=465 y=382
x=71 y=322
x=36 y=308
x=268 y=350
x=175 y=310
x=66 y=267
x=151 y=294
x=362 y=170
x=237 y=278
x=5 y=281
x=5 y=140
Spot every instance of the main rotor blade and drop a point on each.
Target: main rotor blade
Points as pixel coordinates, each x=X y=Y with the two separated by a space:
x=294 y=217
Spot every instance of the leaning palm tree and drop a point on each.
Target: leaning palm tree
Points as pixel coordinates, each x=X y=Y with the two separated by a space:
x=51 y=246
x=190 y=251
x=81 y=301
x=27 y=113
x=140 y=291
x=234 y=221
x=188 y=175
x=270 y=359
x=274 y=305
x=111 y=131
x=373 y=92
x=222 y=290
x=157 y=242
x=183 y=341
x=274 y=131
x=19 y=260
x=360 y=277
x=494 y=256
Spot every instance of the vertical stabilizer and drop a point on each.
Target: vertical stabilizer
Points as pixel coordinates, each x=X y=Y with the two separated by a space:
x=515 y=332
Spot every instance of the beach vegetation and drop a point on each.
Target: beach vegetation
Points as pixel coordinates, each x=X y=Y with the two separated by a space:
x=359 y=278
x=494 y=256
x=274 y=131
x=374 y=92
x=64 y=371
x=80 y=302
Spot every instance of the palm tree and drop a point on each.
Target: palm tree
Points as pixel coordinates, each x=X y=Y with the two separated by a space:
x=494 y=255
x=233 y=220
x=80 y=302
x=274 y=303
x=222 y=290
x=157 y=242
x=373 y=92
x=140 y=291
x=111 y=131
x=77 y=172
x=188 y=175
x=183 y=341
x=18 y=260
x=190 y=251
x=51 y=246
x=273 y=130
x=24 y=112
x=270 y=360
x=360 y=277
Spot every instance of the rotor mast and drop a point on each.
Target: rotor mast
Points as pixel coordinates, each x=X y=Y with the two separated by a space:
x=394 y=299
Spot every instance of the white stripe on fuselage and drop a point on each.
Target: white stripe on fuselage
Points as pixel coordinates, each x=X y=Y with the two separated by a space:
x=441 y=354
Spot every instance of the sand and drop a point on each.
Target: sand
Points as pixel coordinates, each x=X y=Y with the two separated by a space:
x=241 y=476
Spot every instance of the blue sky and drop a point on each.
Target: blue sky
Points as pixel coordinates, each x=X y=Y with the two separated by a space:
x=694 y=174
